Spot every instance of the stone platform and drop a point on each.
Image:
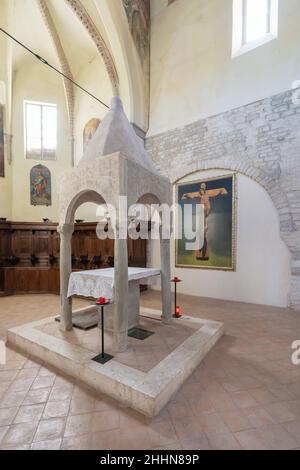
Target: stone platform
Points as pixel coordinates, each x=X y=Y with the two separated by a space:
x=145 y=376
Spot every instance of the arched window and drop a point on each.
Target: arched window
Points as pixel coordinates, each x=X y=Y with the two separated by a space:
x=255 y=22
x=40 y=130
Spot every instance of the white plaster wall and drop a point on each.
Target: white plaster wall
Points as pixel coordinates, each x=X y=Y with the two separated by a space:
x=5 y=99
x=87 y=212
x=35 y=82
x=94 y=79
x=134 y=87
x=5 y=182
x=263 y=260
x=192 y=72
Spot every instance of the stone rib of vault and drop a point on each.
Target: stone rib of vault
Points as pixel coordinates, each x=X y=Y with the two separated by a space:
x=116 y=134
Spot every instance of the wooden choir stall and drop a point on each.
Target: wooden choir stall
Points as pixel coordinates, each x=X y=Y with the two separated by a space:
x=29 y=255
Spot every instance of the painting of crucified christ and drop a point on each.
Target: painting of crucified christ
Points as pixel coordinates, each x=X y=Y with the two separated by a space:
x=216 y=248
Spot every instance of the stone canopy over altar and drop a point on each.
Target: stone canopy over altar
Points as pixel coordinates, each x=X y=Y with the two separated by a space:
x=114 y=164
x=193 y=104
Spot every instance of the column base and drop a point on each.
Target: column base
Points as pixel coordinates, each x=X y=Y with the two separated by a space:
x=64 y=327
x=167 y=321
x=120 y=342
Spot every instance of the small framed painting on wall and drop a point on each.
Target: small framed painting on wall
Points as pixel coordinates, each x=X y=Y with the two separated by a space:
x=40 y=186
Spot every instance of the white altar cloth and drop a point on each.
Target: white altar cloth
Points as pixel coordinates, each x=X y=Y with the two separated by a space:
x=100 y=282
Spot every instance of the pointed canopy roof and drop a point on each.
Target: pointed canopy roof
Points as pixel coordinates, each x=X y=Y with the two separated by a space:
x=116 y=134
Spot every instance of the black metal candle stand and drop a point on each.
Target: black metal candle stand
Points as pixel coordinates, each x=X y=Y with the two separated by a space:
x=103 y=357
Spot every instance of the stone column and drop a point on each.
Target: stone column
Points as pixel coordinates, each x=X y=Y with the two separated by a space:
x=120 y=334
x=66 y=232
x=165 y=280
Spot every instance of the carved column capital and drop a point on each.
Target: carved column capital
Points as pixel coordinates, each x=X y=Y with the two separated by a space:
x=66 y=230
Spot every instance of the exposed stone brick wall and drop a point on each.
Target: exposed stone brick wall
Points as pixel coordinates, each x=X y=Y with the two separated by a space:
x=260 y=140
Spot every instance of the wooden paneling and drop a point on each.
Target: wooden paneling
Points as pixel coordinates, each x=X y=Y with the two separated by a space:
x=42 y=246
x=29 y=255
x=22 y=246
x=139 y=253
x=5 y=242
x=6 y=281
x=55 y=240
x=54 y=281
x=43 y=280
x=23 y=279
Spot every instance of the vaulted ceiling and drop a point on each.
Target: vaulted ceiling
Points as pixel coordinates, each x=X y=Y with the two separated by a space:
x=70 y=34
x=30 y=28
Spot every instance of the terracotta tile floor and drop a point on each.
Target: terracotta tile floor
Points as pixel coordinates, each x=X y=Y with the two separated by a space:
x=244 y=395
x=141 y=355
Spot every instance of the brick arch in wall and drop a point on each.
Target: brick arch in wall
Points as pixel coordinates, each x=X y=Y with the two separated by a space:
x=274 y=189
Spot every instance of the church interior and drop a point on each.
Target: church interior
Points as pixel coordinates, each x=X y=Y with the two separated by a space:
x=181 y=332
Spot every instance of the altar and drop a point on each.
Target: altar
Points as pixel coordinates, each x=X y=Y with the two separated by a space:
x=97 y=283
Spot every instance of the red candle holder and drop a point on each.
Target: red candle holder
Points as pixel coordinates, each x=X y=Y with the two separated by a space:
x=177 y=312
x=175 y=281
x=103 y=357
x=102 y=301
